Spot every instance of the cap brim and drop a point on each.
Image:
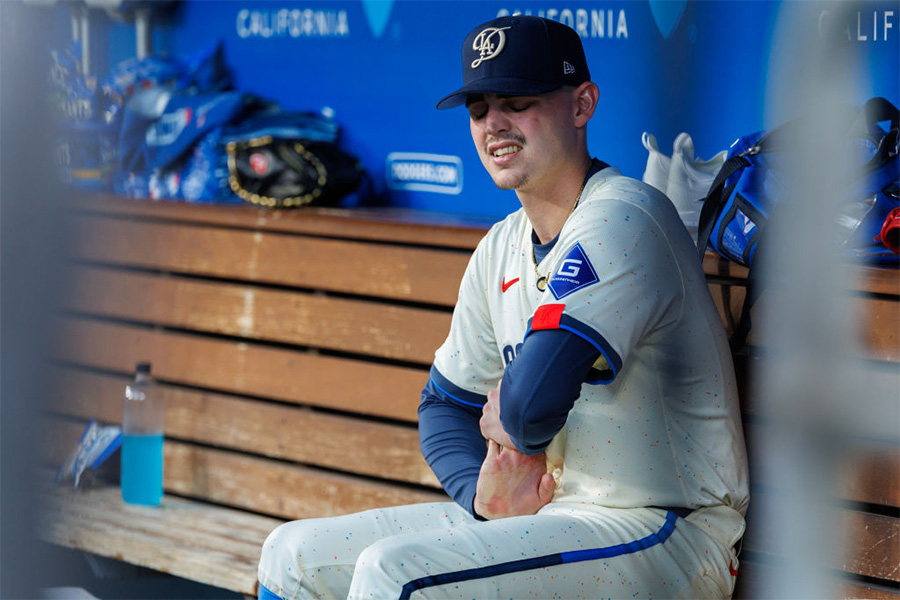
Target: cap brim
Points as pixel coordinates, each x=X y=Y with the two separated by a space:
x=506 y=86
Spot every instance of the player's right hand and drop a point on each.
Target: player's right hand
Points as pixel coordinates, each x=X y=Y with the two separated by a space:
x=512 y=484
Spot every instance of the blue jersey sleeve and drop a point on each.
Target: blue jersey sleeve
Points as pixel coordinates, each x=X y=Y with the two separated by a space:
x=541 y=384
x=450 y=438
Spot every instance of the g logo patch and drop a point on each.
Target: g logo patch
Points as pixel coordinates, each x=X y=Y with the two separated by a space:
x=569 y=267
x=489 y=43
x=573 y=273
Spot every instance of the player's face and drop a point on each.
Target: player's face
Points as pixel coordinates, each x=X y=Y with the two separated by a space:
x=523 y=140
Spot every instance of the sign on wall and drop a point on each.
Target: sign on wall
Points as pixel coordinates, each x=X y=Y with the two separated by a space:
x=662 y=66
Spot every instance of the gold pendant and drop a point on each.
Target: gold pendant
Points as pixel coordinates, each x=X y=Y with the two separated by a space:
x=541 y=284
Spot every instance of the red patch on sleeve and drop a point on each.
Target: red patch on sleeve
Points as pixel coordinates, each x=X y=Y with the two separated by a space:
x=547 y=317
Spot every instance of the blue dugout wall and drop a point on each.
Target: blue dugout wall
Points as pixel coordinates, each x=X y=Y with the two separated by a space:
x=662 y=66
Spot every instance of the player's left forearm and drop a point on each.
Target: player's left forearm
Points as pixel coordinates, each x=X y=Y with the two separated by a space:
x=541 y=385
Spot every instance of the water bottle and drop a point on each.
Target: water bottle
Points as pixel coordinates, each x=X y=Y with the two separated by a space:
x=142 y=440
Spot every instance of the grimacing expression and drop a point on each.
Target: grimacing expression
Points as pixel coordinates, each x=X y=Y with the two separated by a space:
x=522 y=140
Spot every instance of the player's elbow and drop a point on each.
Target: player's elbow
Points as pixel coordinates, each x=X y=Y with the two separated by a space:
x=528 y=417
x=527 y=425
x=536 y=431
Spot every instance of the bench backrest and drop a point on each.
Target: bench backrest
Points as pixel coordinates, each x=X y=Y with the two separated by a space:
x=291 y=349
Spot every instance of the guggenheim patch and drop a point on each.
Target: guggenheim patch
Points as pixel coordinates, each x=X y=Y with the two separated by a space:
x=572 y=273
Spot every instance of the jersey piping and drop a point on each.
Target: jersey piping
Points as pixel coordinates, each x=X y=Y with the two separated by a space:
x=455 y=392
x=541 y=321
x=539 y=562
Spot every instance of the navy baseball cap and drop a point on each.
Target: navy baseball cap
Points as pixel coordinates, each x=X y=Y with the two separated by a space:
x=519 y=56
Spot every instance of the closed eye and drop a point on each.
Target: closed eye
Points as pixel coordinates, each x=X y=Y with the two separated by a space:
x=477 y=110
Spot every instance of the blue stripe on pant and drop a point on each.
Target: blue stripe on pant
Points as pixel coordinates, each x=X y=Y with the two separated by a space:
x=540 y=562
x=266 y=594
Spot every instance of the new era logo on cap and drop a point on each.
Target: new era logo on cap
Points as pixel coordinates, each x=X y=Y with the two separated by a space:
x=568 y=69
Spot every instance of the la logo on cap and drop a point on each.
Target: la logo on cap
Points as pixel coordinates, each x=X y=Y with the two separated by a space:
x=489 y=43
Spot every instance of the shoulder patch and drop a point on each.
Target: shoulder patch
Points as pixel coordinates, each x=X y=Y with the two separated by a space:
x=572 y=273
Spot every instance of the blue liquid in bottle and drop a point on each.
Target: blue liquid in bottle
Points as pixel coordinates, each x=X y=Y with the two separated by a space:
x=142 y=469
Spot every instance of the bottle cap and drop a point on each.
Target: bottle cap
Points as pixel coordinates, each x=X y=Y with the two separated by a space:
x=143 y=367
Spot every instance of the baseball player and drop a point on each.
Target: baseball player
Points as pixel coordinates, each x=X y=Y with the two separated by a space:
x=582 y=412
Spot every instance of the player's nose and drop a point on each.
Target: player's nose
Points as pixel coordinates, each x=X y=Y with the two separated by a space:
x=496 y=121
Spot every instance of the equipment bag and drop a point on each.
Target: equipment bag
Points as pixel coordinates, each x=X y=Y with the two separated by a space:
x=264 y=156
x=751 y=184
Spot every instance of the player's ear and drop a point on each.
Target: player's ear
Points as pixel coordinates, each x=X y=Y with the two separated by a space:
x=586 y=97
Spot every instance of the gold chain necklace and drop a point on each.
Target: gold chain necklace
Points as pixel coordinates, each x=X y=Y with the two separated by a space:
x=542 y=280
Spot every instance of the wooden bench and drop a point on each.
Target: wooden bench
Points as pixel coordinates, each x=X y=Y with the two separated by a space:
x=291 y=349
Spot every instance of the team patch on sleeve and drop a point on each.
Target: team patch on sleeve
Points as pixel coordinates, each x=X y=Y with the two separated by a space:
x=572 y=273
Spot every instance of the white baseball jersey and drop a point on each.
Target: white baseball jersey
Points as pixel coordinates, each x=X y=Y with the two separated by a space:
x=660 y=425
x=657 y=426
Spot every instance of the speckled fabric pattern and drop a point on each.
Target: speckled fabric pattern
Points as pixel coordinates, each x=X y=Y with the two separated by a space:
x=656 y=425
x=661 y=426
x=440 y=551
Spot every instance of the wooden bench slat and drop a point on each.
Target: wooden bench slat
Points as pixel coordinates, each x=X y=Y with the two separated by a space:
x=189 y=523
x=869 y=540
x=284 y=432
x=867 y=472
x=872 y=547
x=879 y=324
x=755 y=580
x=867 y=592
x=275 y=488
x=878 y=320
x=412 y=274
x=390 y=225
x=127 y=532
x=878 y=380
x=382 y=224
x=862 y=278
x=877 y=280
x=357 y=326
x=870 y=473
x=210 y=566
x=285 y=490
x=243 y=368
